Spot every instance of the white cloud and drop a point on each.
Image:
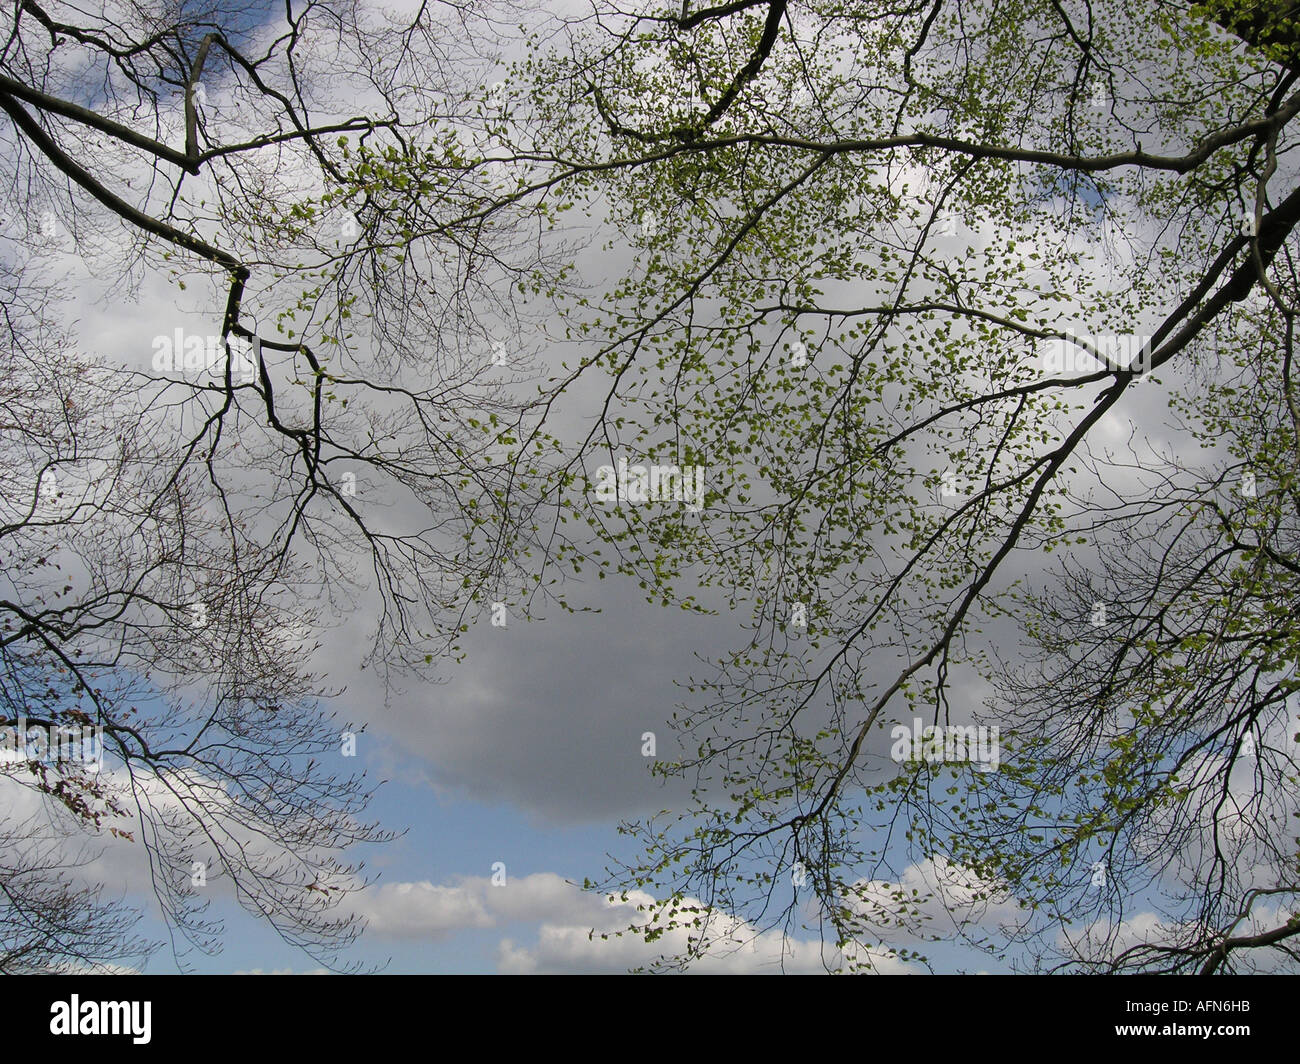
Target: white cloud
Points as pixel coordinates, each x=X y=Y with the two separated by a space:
x=398 y=910
x=402 y=910
x=940 y=896
x=567 y=948
x=572 y=922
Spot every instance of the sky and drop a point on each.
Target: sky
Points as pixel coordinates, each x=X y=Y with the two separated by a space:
x=507 y=780
x=528 y=754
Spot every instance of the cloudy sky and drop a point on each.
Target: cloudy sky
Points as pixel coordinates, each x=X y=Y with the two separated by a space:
x=527 y=755
x=507 y=779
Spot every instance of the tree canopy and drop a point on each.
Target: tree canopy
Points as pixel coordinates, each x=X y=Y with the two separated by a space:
x=977 y=319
